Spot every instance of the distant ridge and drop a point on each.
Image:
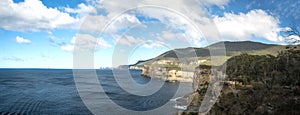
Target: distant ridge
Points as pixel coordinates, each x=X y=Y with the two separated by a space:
x=232 y=49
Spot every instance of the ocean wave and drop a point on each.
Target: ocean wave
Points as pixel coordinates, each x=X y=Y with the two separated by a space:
x=181 y=107
x=175 y=99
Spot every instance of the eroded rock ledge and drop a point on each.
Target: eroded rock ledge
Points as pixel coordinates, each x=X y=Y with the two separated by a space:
x=168 y=74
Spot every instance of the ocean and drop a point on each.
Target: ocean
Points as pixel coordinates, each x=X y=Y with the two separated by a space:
x=53 y=91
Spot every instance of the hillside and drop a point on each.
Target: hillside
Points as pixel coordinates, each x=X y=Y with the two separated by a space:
x=232 y=49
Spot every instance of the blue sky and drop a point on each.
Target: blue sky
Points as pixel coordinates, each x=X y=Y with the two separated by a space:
x=43 y=34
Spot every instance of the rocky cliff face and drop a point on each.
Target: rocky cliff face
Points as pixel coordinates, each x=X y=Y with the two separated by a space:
x=207 y=84
x=205 y=81
x=201 y=77
x=168 y=74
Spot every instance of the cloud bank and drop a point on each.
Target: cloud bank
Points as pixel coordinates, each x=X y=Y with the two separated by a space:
x=32 y=15
x=246 y=26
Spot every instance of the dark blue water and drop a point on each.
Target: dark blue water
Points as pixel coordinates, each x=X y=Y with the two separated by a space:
x=27 y=91
x=53 y=91
x=132 y=101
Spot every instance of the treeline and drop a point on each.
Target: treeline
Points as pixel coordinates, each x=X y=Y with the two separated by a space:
x=283 y=69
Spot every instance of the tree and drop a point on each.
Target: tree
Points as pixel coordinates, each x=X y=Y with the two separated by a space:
x=265 y=68
x=289 y=62
x=236 y=67
x=260 y=68
x=243 y=67
x=292 y=35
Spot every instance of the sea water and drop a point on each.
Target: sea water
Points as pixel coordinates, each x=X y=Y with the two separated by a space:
x=53 y=91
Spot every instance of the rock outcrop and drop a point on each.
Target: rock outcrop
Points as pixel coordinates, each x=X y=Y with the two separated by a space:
x=167 y=74
x=207 y=84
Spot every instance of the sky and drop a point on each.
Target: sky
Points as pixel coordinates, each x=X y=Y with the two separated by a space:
x=47 y=33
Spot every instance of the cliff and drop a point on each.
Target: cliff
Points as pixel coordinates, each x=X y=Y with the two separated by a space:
x=169 y=74
x=260 y=78
x=167 y=66
x=256 y=84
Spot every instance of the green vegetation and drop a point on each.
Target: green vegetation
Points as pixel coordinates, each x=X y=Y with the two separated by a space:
x=270 y=84
x=268 y=77
x=282 y=69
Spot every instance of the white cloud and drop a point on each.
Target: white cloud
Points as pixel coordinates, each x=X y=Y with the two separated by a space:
x=22 y=40
x=168 y=35
x=293 y=39
x=158 y=9
x=86 y=42
x=296 y=37
x=93 y=23
x=152 y=44
x=32 y=15
x=68 y=48
x=97 y=23
x=219 y=3
x=287 y=29
x=174 y=21
x=129 y=41
x=124 y=21
x=82 y=9
x=102 y=43
x=255 y=23
x=117 y=6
